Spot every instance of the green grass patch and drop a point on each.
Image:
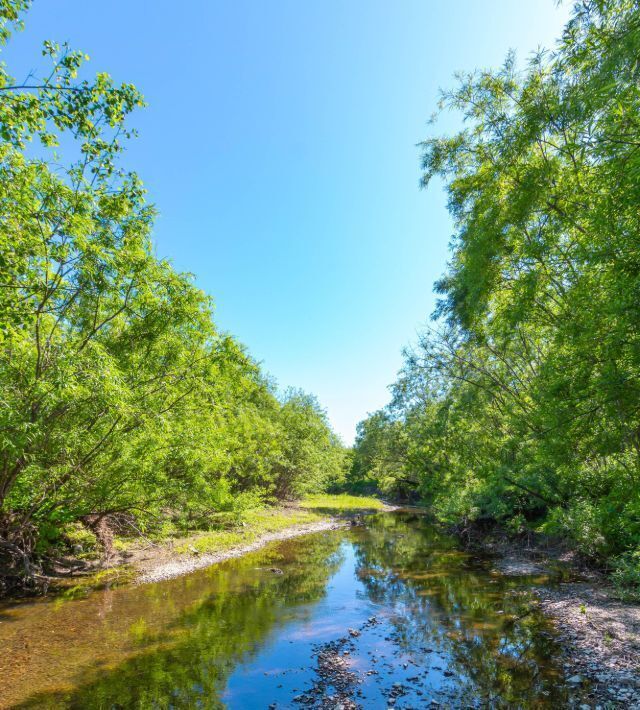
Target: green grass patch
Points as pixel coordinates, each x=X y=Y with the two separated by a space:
x=341 y=502
x=255 y=524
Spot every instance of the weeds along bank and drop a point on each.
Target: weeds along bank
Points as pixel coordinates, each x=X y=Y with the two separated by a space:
x=522 y=403
x=121 y=402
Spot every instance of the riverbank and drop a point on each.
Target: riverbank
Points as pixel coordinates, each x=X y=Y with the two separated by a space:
x=166 y=564
x=315 y=513
x=600 y=638
x=390 y=612
x=139 y=559
x=599 y=634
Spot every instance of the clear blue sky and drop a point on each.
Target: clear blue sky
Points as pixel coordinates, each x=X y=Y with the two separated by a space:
x=279 y=146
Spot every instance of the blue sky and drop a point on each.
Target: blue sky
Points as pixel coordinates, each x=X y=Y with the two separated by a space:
x=279 y=146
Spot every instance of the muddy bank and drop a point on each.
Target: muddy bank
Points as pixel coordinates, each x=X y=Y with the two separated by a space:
x=164 y=563
x=138 y=559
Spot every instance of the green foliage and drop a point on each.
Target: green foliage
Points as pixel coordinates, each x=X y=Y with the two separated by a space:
x=626 y=575
x=523 y=404
x=76 y=535
x=117 y=391
x=380 y=456
x=312 y=456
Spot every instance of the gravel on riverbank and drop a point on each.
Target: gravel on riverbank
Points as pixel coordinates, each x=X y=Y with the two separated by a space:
x=600 y=637
x=158 y=568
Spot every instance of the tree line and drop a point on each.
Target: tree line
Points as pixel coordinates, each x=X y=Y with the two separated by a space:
x=118 y=393
x=520 y=403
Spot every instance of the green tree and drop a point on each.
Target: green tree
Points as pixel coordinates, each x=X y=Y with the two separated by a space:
x=311 y=455
x=526 y=403
x=117 y=392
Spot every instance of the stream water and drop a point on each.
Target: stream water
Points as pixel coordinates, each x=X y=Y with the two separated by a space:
x=388 y=614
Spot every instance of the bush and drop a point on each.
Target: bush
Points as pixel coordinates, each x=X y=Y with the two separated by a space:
x=626 y=575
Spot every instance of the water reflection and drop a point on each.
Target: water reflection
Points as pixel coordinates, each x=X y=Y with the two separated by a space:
x=493 y=648
x=171 y=644
x=237 y=635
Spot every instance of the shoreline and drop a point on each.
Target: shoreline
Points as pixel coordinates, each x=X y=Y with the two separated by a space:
x=333 y=517
x=599 y=637
x=598 y=634
x=186 y=563
x=139 y=560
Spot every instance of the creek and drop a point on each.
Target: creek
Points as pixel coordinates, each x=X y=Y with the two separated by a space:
x=391 y=613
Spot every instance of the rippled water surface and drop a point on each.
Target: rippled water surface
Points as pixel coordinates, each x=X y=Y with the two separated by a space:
x=388 y=614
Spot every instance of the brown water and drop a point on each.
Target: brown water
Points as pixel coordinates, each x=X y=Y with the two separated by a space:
x=430 y=623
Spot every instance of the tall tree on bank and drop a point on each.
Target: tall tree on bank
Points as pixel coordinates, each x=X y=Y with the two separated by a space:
x=117 y=392
x=525 y=402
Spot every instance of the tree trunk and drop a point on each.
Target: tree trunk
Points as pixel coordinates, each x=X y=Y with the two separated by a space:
x=98 y=523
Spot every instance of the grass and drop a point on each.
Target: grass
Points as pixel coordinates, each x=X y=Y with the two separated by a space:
x=341 y=502
x=255 y=524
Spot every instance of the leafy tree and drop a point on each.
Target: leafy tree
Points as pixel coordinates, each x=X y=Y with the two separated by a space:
x=525 y=404
x=118 y=393
x=311 y=455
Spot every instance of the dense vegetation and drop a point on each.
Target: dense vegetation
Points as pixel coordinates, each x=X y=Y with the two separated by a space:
x=118 y=395
x=522 y=403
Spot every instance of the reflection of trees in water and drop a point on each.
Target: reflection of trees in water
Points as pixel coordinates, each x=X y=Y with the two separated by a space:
x=496 y=645
x=187 y=664
x=442 y=601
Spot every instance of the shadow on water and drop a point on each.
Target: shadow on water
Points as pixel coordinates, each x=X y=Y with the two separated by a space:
x=428 y=623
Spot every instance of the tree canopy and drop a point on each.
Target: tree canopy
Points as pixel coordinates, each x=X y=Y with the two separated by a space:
x=118 y=392
x=522 y=402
